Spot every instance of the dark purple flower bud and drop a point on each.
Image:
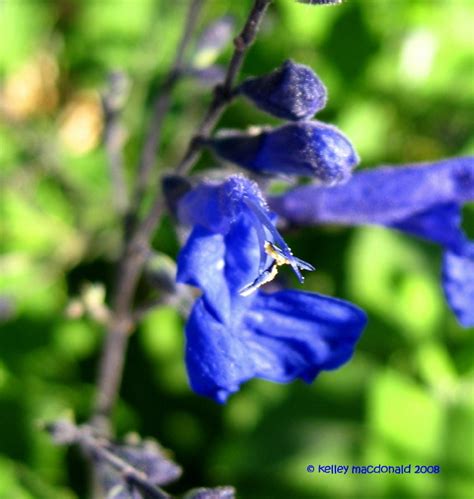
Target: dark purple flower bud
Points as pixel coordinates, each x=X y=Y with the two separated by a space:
x=113 y=485
x=292 y=92
x=308 y=148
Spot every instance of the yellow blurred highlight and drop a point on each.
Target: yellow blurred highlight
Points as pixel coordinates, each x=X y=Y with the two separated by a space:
x=205 y=58
x=32 y=90
x=82 y=123
x=417 y=56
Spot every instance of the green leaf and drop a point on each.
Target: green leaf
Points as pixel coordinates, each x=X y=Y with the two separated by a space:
x=406 y=416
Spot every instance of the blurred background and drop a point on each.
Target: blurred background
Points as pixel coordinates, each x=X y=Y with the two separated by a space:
x=400 y=81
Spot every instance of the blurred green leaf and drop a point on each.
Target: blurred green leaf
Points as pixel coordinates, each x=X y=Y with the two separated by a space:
x=24 y=26
x=162 y=340
x=387 y=274
x=406 y=415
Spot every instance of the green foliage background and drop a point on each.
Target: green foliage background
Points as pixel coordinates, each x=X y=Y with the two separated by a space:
x=400 y=80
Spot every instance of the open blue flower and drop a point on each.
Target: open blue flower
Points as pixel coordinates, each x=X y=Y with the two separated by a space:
x=424 y=200
x=232 y=335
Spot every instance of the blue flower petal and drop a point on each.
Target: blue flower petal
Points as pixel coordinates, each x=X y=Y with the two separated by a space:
x=382 y=195
x=458 y=283
x=278 y=337
x=216 y=359
x=302 y=334
x=233 y=338
x=201 y=263
x=242 y=255
x=292 y=92
x=439 y=224
x=203 y=206
x=307 y=148
x=220 y=265
x=216 y=205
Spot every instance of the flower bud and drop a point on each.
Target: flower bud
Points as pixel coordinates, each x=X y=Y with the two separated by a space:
x=308 y=148
x=292 y=92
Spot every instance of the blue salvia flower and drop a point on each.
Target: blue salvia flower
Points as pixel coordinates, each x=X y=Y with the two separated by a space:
x=424 y=200
x=292 y=92
x=307 y=148
x=236 y=331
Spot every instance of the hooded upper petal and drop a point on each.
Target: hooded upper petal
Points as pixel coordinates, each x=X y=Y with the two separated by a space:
x=216 y=205
x=381 y=195
x=236 y=211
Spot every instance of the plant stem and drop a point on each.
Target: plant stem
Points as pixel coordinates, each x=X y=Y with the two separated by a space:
x=135 y=246
x=161 y=106
x=112 y=102
x=119 y=328
x=223 y=92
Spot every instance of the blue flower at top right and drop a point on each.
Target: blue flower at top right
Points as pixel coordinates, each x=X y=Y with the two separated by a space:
x=423 y=200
